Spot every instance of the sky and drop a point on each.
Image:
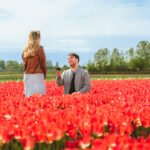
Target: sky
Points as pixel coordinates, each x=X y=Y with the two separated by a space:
x=74 y=25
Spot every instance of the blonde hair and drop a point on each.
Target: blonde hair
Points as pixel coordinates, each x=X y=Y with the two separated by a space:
x=33 y=44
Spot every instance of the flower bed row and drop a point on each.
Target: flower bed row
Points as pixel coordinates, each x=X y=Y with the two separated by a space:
x=114 y=115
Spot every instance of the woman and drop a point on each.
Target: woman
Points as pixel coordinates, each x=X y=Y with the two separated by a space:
x=34 y=62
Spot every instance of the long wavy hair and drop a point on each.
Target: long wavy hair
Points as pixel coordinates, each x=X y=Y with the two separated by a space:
x=33 y=44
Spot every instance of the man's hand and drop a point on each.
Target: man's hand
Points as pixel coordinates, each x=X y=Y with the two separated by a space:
x=74 y=93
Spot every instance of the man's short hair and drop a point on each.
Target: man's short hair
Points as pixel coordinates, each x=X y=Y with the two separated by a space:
x=75 y=55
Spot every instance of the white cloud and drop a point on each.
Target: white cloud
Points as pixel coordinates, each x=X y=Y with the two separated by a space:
x=75 y=18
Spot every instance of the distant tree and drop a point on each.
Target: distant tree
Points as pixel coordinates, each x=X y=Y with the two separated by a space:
x=12 y=65
x=57 y=64
x=101 y=59
x=20 y=67
x=143 y=55
x=65 y=67
x=2 y=65
x=91 y=67
x=123 y=62
x=49 y=65
x=117 y=61
x=131 y=59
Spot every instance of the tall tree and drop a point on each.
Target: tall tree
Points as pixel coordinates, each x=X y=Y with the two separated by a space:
x=101 y=59
x=117 y=62
x=12 y=65
x=49 y=65
x=91 y=67
x=132 y=59
x=2 y=65
x=143 y=55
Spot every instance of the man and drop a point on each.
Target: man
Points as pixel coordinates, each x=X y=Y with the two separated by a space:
x=75 y=79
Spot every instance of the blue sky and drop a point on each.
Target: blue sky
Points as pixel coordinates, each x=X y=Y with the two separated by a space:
x=74 y=25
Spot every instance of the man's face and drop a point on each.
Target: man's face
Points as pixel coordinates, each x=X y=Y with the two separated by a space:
x=72 y=60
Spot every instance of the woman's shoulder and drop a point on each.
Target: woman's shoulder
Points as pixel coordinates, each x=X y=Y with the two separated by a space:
x=41 y=47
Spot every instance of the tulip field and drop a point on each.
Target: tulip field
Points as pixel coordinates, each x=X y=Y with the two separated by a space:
x=115 y=115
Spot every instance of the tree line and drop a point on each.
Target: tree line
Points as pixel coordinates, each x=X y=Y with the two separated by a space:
x=134 y=60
